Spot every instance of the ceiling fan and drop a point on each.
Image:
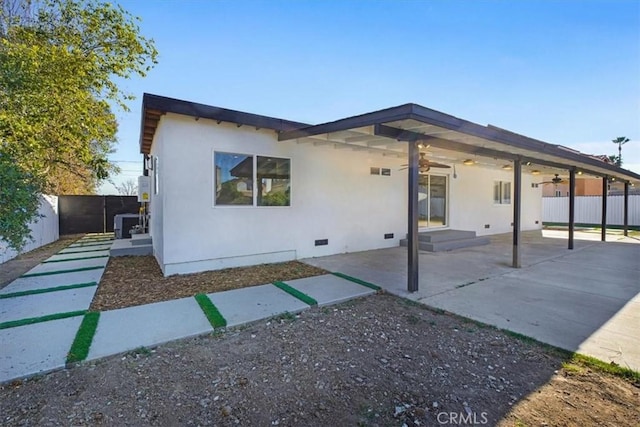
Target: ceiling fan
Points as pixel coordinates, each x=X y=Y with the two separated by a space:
x=425 y=164
x=555 y=180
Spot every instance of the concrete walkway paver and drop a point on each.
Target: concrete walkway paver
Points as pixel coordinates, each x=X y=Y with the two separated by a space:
x=64 y=256
x=329 y=289
x=246 y=305
x=38 y=305
x=53 y=267
x=43 y=346
x=52 y=281
x=37 y=348
x=147 y=325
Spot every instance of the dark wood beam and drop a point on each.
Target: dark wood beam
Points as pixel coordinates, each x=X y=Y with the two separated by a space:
x=625 y=215
x=603 y=231
x=446 y=144
x=572 y=204
x=517 y=205
x=412 y=217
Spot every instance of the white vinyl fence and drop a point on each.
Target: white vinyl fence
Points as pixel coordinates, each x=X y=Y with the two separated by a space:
x=45 y=230
x=588 y=209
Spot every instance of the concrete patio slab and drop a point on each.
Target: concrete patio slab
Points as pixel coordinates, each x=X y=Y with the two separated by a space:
x=64 y=256
x=38 y=305
x=584 y=299
x=37 y=348
x=329 y=289
x=246 y=305
x=147 y=325
x=52 y=267
x=52 y=281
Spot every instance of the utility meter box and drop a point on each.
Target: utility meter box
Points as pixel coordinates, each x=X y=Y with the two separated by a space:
x=144 y=189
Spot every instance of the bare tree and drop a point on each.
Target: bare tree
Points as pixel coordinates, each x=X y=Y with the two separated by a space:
x=127 y=188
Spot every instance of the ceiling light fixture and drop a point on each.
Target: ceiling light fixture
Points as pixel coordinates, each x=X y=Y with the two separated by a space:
x=579 y=172
x=535 y=172
x=469 y=162
x=507 y=167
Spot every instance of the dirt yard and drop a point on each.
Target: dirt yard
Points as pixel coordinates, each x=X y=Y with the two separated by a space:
x=377 y=361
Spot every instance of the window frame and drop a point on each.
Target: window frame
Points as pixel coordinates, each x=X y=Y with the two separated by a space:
x=502 y=186
x=254 y=197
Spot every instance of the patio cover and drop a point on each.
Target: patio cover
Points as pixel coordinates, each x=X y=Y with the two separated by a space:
x=407 y=129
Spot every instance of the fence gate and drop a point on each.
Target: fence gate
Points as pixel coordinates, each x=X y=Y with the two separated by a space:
x=92 y=214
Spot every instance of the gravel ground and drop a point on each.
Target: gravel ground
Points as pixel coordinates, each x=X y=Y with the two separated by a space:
x=376 y=361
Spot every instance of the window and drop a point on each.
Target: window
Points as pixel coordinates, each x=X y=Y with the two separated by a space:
x=502 y=192
x=235 y=175
x=274 y=177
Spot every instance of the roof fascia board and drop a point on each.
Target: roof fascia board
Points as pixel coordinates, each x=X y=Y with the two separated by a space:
x=193 y=109
x=436 y=118
x=389 y=114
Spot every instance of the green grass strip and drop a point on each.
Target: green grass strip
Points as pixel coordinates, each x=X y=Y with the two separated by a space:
x=44 y=291
x=32 y=320
x=296 y=293
x=610 y=368
x=47 y=273
x=358 y=281
x=213 y=315
x=65 y=252
x=76 y=259
x=84 y=337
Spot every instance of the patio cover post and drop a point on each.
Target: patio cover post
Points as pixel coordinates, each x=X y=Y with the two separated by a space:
x=603 y=231
x=572 y=204
x=412 y=234
x=625 y=214
x=517 y=188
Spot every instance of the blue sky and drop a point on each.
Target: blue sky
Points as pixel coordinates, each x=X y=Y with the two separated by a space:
x=565 y=72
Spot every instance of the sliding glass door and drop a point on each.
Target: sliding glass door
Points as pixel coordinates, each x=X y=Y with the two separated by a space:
x=432 y=201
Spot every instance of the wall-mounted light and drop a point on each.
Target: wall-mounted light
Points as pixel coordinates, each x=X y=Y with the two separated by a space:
x=469 y=162
x=535 y=172
x=528 y=163
x=507 y=167
x=579 y=172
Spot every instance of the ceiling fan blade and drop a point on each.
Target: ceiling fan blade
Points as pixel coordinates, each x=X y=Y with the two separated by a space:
x=439 y=165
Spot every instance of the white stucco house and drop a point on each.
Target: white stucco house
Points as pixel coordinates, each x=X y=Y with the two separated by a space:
x=231 y=188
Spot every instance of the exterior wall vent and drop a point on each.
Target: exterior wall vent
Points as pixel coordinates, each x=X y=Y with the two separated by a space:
x=322 y=242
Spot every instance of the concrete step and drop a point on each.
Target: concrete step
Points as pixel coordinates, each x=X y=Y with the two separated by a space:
x=124 y=247
x=140 y=239
x=445 y=235
x=449 y=245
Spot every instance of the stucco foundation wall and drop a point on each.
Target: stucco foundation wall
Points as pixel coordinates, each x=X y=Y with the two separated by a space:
x=333 y=196
x=43 y=231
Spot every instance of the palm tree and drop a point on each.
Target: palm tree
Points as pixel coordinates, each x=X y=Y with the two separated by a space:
x=621 y=140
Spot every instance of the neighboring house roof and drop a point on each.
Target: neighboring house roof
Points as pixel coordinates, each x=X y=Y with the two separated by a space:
x=408 y=122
